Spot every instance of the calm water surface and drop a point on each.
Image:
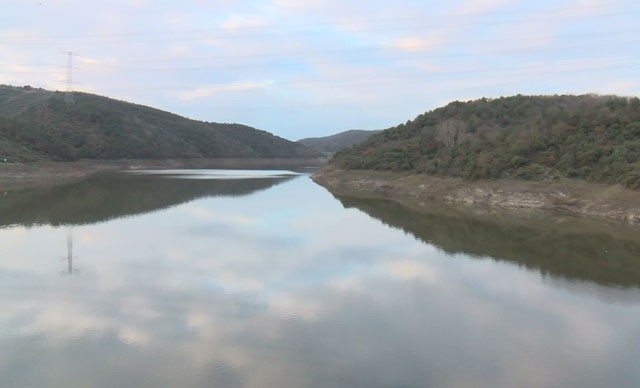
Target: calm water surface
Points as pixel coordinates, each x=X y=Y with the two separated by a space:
x=264 y=279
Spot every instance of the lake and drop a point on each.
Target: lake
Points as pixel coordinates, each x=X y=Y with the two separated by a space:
x=233 y=278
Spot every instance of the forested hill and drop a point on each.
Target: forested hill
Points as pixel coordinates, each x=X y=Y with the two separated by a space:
x=332 y=144
x=596 y=138
x=38 y=124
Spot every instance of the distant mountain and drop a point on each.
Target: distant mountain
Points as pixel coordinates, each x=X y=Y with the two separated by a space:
x=334 y=143
x=37 y=124
x=590 y=137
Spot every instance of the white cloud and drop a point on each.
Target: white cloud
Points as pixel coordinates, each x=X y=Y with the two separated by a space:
x=413 y=44
x=180 y=49
x=474 y=7
x=374 y=56
x=295 y=5
x=237 y=22
x=92 y=61
x=209 y=91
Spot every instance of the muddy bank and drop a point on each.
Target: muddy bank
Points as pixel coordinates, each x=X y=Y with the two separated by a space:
x=576 y=197
x=22 y=175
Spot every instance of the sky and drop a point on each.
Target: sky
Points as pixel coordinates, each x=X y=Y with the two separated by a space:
x=314 y=68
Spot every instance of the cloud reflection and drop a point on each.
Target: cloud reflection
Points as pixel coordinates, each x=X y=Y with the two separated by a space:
x=322 y=297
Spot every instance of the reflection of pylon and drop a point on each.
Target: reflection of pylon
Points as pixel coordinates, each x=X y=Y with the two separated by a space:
x=70 y=250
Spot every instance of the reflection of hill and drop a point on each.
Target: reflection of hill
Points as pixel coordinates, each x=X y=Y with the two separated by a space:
x=568 y=248
x=109 y=196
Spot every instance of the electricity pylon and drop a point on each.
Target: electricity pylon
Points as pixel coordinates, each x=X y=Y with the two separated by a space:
x=69 y=93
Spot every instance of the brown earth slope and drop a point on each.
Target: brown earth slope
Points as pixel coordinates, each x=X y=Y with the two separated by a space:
x=573 y=196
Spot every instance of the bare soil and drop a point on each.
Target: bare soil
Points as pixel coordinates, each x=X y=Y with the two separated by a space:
x=573 y=196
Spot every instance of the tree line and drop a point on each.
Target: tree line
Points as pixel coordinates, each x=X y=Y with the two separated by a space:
x=590 y=137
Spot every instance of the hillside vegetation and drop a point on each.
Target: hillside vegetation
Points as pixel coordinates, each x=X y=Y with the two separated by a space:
x=332 y=144
x=595 y=138
x=36 y=124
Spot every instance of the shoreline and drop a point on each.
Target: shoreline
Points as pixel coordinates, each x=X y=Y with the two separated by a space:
x=37 y=174
x=580 y=198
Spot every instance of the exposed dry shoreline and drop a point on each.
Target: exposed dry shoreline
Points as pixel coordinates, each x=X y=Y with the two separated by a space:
x=21 y=175
x=577 y=197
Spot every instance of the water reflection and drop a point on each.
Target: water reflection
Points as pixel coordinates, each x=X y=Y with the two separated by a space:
x=108 y=196
x=557 y=246
x=70 y=251
x=287 y=288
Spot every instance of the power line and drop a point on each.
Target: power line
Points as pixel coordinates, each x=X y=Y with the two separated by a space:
x=315 y=28
x=417 y=79
x=378 y=53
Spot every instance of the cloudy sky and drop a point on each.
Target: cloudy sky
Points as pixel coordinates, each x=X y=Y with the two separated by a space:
x=312 y=68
